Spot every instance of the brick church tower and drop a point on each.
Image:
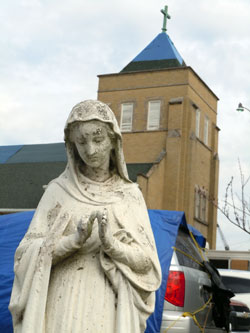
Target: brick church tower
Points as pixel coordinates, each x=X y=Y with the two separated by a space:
x=167 y=115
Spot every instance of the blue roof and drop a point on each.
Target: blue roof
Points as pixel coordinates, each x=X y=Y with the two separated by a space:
x=36 y=153
x=159 y=54
x=7 y=151
x=161 y=48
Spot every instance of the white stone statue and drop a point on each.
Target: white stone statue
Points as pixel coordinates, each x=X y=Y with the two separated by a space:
x=88 y=262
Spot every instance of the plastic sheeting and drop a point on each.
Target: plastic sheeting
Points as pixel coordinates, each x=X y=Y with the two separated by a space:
x=12 y=229
x=165 y=225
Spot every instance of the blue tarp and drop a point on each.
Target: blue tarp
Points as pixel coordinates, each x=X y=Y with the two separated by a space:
x=12 y=229
x=165 y=225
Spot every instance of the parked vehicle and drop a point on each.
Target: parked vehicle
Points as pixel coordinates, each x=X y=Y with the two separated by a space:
x=239 y=282
x=189 y=287
x=239 y=316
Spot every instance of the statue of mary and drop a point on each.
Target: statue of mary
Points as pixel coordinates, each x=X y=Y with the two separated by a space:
x=88 y=262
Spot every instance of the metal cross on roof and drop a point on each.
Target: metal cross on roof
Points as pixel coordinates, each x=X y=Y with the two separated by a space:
x=166 y=16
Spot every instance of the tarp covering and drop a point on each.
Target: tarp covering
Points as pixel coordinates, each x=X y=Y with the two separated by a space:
x=165 y=225
x=12 y=229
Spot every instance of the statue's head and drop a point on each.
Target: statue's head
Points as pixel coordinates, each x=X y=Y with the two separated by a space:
x=93 y=136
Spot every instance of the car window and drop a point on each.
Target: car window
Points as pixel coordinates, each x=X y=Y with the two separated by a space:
x=237 y=285
x=185 y=244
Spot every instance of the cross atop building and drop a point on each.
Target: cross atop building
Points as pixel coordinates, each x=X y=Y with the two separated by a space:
x=166 y=16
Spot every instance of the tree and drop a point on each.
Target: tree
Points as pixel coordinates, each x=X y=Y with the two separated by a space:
x=236 y=205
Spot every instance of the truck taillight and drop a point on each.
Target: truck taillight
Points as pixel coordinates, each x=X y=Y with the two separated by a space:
x=175 y=292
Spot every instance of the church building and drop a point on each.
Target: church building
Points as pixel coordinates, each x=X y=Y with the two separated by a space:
x=168 y=117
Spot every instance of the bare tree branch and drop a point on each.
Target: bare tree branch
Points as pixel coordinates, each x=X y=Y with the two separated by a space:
x=235 y=207
x=233 y=221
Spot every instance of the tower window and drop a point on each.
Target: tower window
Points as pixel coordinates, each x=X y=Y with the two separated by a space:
x=127 y=117
x=197 y=123
x=200 y=204
x=206 y=126
x=197 y=205
x=154 y=112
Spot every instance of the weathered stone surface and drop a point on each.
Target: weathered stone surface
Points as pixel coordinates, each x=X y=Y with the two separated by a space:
x=88 y=262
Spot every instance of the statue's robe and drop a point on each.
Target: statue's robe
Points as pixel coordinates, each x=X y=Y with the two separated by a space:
x=62 y=287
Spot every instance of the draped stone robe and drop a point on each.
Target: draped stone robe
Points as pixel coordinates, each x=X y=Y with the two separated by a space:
x=62 y=287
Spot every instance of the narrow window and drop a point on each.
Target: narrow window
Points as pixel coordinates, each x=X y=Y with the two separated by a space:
x=197 y=129
x=154 y=109
x=127 y=117
x=203 y=207
x=197 y=204
x=200 y=204
x=206 y=126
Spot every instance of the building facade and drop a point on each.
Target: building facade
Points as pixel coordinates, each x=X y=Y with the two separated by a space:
x=168 y=118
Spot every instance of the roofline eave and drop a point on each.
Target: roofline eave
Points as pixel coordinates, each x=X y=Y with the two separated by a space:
x=161 y=70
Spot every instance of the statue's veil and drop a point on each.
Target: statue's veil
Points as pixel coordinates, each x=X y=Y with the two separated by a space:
x=96 y=110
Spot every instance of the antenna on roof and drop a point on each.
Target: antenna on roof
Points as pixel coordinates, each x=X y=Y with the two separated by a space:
x=166 y=16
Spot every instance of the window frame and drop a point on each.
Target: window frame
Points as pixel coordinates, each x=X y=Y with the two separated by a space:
x=185 y=243
x=203 y=209
x=206 y=130
x=200 y=204
x=197 y=204
x=129 y=125
x=197 y=122
x=149 y=126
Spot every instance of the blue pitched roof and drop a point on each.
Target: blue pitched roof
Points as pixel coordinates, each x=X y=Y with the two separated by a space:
x=35 y=153
x=7 y=152
x=160 y=48
x=160 y=53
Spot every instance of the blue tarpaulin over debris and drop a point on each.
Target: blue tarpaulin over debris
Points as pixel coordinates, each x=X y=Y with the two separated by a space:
x=12 y=229
x=165 y=225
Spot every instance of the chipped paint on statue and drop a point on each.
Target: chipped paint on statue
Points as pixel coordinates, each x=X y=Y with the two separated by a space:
x=88 y=262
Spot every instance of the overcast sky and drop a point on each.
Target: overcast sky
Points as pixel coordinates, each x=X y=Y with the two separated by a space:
x=51 y=52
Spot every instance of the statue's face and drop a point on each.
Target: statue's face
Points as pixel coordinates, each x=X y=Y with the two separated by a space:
x=93 y=143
